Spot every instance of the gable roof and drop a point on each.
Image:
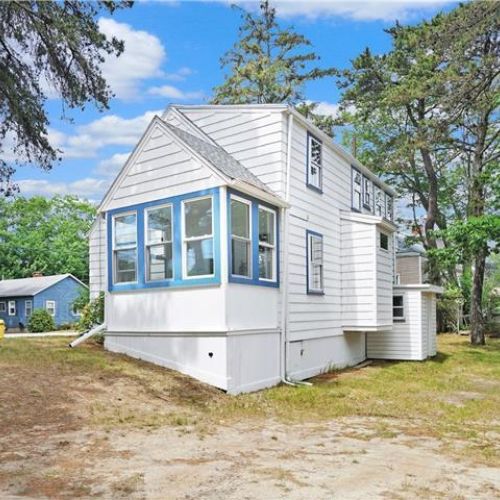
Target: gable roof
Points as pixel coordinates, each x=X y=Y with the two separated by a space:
x=31 y=286
x=218 y=158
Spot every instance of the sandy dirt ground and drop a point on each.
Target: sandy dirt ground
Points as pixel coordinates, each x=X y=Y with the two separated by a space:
x=52 y=446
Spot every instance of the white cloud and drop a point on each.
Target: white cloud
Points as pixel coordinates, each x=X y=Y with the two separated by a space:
x=327 y=108
x=141 y=59
x=112 y=165
x=110 y=130
x=88 y=187
x=172 y=92
x=180 y=75
x=359 y=10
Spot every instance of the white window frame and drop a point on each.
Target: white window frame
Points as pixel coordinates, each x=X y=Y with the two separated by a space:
x=367 y=193
x=402 y=307
x=186 y=240
x=3 y=306
x=241 y=238
x=268 y=245
x=356 y=189
x=311 y=265
x=128 y=247
x=51 y=304
x=26 y=302
x=147 y=244
x=314 y=180
x=12 y=308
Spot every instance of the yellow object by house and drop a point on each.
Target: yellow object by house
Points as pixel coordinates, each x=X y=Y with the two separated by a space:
x=2 y=328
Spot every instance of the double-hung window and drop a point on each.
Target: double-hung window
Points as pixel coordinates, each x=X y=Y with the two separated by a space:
x=367 y=193
x=198 y=238
x=356 y=189
x=379 y=202
x=125 y=248
x=241 y=237
x=159 y=243
x=28 y=308
x=389 y=207
x=50 y=307
x=267 y=244
x=398 y=308
x=12 y=307
x=315 y=267
x=314 y=162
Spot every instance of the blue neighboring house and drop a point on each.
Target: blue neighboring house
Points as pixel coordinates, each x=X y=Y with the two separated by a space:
x=20 y=297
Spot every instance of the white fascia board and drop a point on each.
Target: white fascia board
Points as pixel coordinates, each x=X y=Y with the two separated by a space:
x=339 y=150
x=419 y=287
x=368 y=219
x=254 y=191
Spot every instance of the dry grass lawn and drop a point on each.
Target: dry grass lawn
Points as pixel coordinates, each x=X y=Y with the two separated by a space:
x=84 y=422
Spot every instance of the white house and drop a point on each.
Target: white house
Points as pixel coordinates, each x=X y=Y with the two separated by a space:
x=241 y=246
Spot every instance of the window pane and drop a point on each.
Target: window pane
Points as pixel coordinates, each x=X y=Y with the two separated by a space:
x=315 y=151
x=125 y=230
x=398 y=312
x=160 y=262
x=200 y=257
x=266 y=226
x=266 y=262
x=198 y=217
x=241 y=258
x=384 y=241
x=240 y=219
x=160 y=225
x=397 y=300
x=125 y=265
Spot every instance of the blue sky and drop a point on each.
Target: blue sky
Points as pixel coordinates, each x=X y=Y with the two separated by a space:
x=172 y=52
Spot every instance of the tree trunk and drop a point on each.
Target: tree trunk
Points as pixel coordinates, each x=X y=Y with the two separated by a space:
x=477 y=326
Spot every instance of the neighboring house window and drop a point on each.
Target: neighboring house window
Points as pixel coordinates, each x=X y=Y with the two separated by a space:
x=379 y=202
x=28 y=308
x=397 y=279
x=159 y=243
x=3 y=307
x=315 y=267
x=389 y=207
x=314 y=162
x=125 y=248
x=398 y=308
x=384 y=241
x=241 y=241
x=367 y=193
x=356 y=189
x=12 y=307
x=50 y=307
x=198 y=241
x=267 y=244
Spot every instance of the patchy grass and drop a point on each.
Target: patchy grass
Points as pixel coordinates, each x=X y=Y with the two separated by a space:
x=454 y=397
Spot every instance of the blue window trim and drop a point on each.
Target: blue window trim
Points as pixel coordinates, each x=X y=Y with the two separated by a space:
x=313 y=292
x=254 y=279
x=308 y=184
x=177 y=281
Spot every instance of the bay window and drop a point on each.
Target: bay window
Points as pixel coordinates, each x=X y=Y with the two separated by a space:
x=267 y=244
x=241 y=241
x=198 y=241
x=159 y=243
x=125 y=248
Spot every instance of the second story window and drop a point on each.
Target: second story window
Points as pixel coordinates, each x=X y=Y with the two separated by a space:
x=125 y=248
x=367 y=193
x=389 y=207
x=159 y=243
x=314 y=163
x=356 y=189
x=379 y=202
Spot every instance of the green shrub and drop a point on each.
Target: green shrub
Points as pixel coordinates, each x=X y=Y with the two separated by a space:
x=41 y=321
x=92 y=314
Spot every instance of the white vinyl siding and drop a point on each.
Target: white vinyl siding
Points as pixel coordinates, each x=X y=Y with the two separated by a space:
x=97 y=257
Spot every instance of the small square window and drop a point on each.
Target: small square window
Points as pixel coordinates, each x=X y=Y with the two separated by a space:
x=398 y=308
x=384 y=241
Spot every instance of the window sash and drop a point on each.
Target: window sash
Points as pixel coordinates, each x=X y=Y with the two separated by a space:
x=267 y=248
x=121 y=248
x=12 y=310
x=188 y=241
x=367 y=195
x=152 y=244
x=50 y=307
x=398 y=310
x=314 y=165
x=238 y=238
x=357 y=189
x=315 y=265
x=384 y=241
x=28 y=306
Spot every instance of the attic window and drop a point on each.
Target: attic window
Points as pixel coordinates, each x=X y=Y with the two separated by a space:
x=314 y=162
